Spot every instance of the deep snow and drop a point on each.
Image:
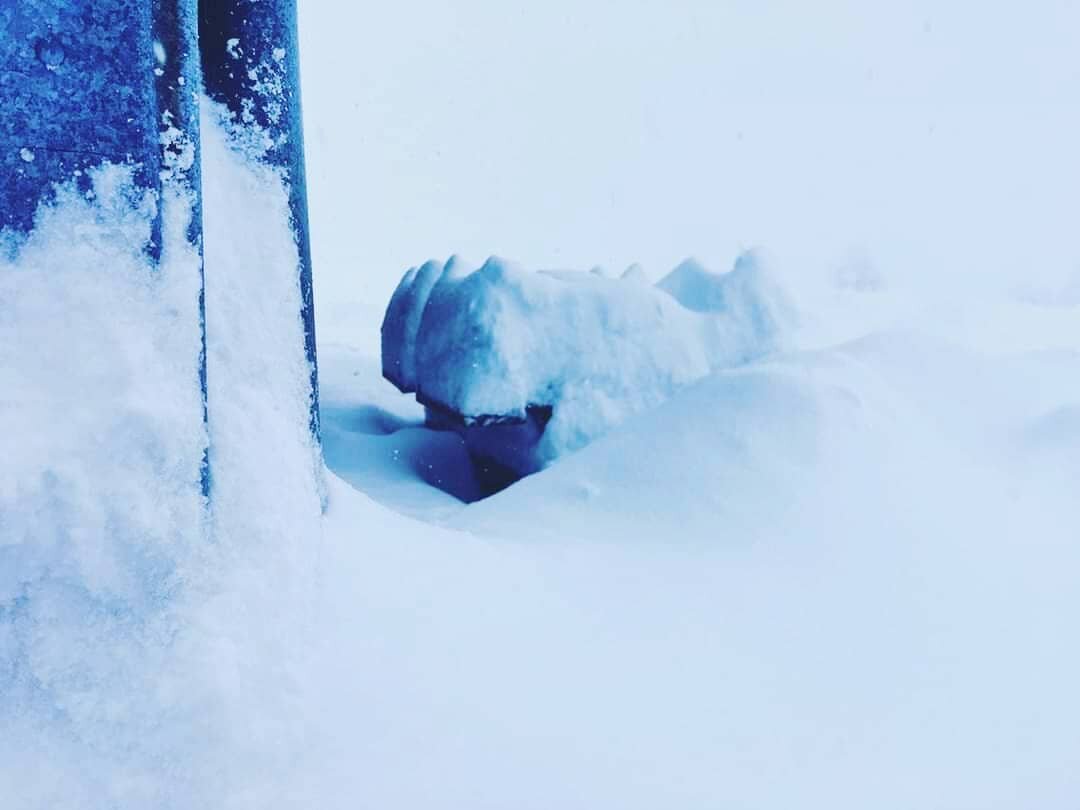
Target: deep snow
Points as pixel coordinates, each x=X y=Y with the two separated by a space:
x=840 y=578
x=101 y=508
x=142 y=631
x=843 y=577
x=494 y=344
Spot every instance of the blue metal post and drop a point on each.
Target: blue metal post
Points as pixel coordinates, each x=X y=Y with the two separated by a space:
x=88 y=81
x=84 y=82
x=250 y=59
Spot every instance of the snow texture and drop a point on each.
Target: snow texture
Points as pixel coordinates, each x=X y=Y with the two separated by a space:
x=843 y=576
x=101 y=509
x=267 y=474
x=495 y=343
x=142 y=630
x=402 y=323
x=850 y=566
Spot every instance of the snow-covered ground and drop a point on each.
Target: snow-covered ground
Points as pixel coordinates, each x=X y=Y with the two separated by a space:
x=842 y=576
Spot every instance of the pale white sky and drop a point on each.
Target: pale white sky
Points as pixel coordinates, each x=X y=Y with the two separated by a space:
x=938 y=138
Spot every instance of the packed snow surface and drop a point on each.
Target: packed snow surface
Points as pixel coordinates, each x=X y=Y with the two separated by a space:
x=494 y=342
x=847 y=567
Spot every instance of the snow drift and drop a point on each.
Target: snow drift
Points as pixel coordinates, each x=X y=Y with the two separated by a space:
x=530 y=366
x=130 y=666
x=102 y=518
x=851 y=568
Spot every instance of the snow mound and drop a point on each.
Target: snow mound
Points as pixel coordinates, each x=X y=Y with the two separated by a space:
x=734 y=455
x=566 y=354
x=870 y=542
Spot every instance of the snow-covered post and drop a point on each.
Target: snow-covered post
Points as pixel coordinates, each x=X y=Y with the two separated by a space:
x=85 y=83
x=104 y=478
x=250 y=58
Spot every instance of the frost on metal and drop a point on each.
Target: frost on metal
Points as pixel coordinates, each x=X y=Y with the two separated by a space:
x=79 y=89
x=249 y=60
x=250 y=65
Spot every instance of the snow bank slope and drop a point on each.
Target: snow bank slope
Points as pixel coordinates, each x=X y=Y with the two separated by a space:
x=852 y=570
x=873 y=409
x=495 y=342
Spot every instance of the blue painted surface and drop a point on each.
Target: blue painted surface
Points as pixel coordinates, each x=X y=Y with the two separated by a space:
x=81 y=82
x=77 y=86
x=250 y=60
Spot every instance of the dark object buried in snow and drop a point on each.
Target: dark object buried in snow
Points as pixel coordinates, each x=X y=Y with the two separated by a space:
x=502 y=448
x=529 y=366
